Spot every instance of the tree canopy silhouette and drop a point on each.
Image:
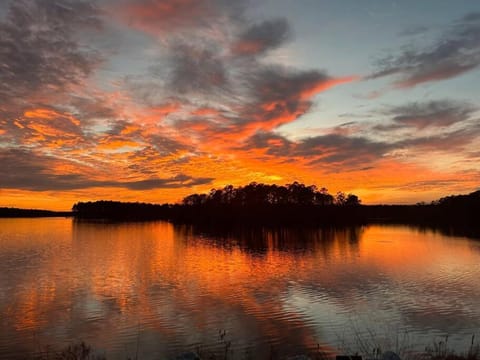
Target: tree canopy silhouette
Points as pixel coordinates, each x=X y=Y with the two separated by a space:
x=255 y=194
x=292 y=204
x=255 y=202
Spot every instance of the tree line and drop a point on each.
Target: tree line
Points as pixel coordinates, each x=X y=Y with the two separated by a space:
x=291 y=204
x=252 y=203
x=255 y=194
x=7 y=212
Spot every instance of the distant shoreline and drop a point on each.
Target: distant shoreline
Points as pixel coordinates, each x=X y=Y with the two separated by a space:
x=282 y=215
x=288 y=215
x=272 y=205
x=6 y=212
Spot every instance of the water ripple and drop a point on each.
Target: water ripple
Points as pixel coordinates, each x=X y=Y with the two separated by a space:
x=159 y=290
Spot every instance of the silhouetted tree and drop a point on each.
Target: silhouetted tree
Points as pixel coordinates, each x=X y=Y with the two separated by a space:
x=323 y=198
x=352 y=200
x=340 y=198
x=195 y=199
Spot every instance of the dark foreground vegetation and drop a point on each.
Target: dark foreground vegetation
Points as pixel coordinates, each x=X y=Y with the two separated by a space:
x=437 y=351
x=293 y=204
x=17 y=213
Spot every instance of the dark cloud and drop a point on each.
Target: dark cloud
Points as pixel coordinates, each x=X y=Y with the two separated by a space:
x=262 y=37
x=167 y=146
x=178 y=181
x=429 y=184
x=278 y=95
x=455 y=53
x=118 y=127
x=351 y=151
x=439 y=113
x=275 y=83
x=451 y=141
x=92 y=107
x=240 y=95
x=472 y=17
x=272 y=144
x=38 y=50
x=196 y=69
x=347 y=124
x=329 y=149
x=250 y=94
x=23 y=169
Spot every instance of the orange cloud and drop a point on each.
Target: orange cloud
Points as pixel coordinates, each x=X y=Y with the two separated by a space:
x=48 y=114
x=45 y=129
x=18 y=124
x=112 y=144
x=325 y=85
x=166 y=108
x=156 y=114
x=49 y=128
x=129 y=129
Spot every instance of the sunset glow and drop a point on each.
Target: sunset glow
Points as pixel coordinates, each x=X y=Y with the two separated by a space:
x=152 y=100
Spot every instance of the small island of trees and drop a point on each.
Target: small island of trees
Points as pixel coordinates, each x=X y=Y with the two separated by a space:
x=294 y=203
x=255 y=194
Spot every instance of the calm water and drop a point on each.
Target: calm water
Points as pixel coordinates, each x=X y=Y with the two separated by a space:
x=158 y=290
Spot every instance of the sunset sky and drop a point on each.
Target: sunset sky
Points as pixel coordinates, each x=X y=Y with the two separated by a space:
x=151 y=100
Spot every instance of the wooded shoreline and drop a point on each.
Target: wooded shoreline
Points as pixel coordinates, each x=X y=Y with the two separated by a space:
x=261 y=204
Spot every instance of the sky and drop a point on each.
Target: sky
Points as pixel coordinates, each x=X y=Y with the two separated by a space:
x=152 y=100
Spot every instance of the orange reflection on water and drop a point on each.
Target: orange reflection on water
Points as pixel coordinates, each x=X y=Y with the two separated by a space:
x=23 y=250
x=402 y=249
x=172 y=286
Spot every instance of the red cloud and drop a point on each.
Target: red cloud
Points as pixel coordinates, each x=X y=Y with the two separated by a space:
x=247 y=47
x=159 y=16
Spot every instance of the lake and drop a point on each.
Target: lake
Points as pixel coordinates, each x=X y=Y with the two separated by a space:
x=155 y=290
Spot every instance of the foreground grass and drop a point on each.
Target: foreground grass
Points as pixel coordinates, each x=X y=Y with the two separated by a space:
x=438 y=350
x=441 y=351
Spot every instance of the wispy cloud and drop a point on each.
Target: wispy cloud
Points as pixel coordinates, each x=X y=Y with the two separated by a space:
x=39 y=51
x=196 y=70
x=262 y=37
x=445 y=126
x=456 y=52
x=432 y=114
x=31 y=171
